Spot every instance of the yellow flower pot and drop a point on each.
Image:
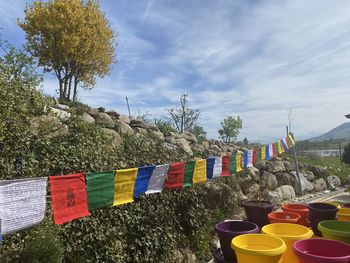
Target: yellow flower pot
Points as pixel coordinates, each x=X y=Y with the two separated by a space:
x=343 y=214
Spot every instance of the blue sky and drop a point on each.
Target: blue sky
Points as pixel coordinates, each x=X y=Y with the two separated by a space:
x=255 y=59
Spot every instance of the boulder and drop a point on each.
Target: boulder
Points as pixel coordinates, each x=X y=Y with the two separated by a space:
x=287 y=192
x=61 y=107
x=253 y=191
x=198 y=147
x=273 y=196
x=254 y=173
x=139 y=130
x=116 y=139
x=218 y=143
x=285 y=179
x=184 y=145
x=206 y=144
x=261 y=165
x=319 y=171
x=269 y=181
x=158 y=135
x=87 y=118
x=334 y=180
x=320 y=185
x=309 y=175
x=61 y=114
x=245 y=183
x=47 y=127
x=101 y=109
x=275 y=166
x=190 y=137
x=288 y=166
x=170 y=139
x=141 y=124
x=215 y=148
x=123 y=128
x=305 y=184
x=104 y=119
x=170 y=146
x=124 y=118
x=93 y=112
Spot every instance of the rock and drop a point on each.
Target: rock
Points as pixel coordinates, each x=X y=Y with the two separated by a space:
x=268 y=180
x=184 y=145
x=123 y=128
x=141 y=124
x=113 y=114
x=285 y=179
x=116 y=139
x=206 y=144
x=189 y=137
x=320 y=185
x=158 y=135
x=124 y=118
x=104 y=119
x=288 y=166
x=275 y=166
x=87 y=118
x=47 y=127
x=215 y=148
x=309 y=175
x=218 y=143
x=61 y=114
x=319 y=171
x=254 y=173
x=253 y=191
x=261 y=165
x=101 y=109
x=170 y=146
x=170 y=139
x=61 y=107
x=334 y=180
x=93 y=112
x=273 y=196
x=140 y=130
x=198 y=147
x=287 y=192
x=245 y=183
x=305 y=184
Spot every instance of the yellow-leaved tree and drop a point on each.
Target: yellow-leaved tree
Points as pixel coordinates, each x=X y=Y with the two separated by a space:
x=71 y=38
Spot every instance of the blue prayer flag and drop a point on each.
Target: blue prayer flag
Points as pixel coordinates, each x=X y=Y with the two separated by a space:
x=144 y=174
x=267 y=152
x=210 y=167
x=245 y=159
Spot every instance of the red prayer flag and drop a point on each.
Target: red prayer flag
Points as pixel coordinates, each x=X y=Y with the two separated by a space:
x=225 y=166
x=68 y=194
x=176 y=176
x=255 y=156
x=274 y=150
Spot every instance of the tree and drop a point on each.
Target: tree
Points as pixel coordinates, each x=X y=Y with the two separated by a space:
x=346 y=154
x=184 y=119
x=230 y=128
x=199 y=132
x=245 y=141
x=71 y=38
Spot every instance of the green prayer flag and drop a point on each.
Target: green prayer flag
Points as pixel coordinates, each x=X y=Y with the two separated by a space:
x=233 y=163
x=189 y=168
x=258 y=158
x=100 y=189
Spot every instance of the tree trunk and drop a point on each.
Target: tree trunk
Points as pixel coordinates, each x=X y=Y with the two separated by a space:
x=75 y=89
x=69 y=87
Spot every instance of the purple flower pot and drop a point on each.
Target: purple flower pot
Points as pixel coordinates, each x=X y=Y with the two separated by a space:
x=230 y=229
x=322 y=210
x=257 y=211
x=347 y=205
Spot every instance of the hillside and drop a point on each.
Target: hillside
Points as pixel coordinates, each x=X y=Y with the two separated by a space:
x=340 y=132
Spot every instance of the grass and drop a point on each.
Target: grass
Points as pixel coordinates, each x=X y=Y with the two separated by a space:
x=332 y=163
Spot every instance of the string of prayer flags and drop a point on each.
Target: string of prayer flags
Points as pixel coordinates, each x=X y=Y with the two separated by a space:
x=200 y=172
x=155 y=184
x=144 y=174
x=22 y=203
x=100 y=189
x=245 y=159
x=225 y=166
x=217 y=167
x=233 y=163
x=210 y=167
x=250 y=158
x=124 y=184
x=238 y=162
x=189 y=168
x=175 y=177
x=69 y=201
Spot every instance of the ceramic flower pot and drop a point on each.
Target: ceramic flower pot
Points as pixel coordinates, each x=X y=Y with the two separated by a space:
x=257 y=211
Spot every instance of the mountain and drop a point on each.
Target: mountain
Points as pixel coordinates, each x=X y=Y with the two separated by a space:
x=340 y=132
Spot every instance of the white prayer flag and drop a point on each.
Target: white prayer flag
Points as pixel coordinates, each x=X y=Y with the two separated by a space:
x=217 y=167
x=285 y=141
x=271 y=150
x=155 y=184
x=250 y=158
x=22 y=203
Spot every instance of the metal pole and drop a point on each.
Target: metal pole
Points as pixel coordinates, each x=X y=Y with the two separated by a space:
x=127 y=103
x=341 y=160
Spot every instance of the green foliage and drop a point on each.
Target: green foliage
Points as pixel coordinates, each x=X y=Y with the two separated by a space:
x=164 y=125
x=346 y=154
x=230 y=128
x=199 y=132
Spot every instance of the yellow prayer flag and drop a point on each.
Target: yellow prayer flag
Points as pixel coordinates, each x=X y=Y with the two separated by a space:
x=280 y=147
x=239 y=160
x=291 y=141
x=263 y=153
x=200 y=172
x=124 y=183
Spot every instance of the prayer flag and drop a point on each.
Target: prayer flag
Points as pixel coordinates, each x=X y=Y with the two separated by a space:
x=267 y=152
x=233 y=164
x=200 y=171
x=217 y=167
x=100 y=189
x=189 y=168
x=225 y=166
x=255 y=156
x=263 y=153
x=22 y=203
x=258 y=155
x=155 y=184
x=284 y=144
x=291 y=140
x=175 y=177
x=238 y=162
x=124 y=185
x=144 y=174
x=210 y=167
x=245 y=159
x=280 y=147
x=276 y=149
x=271 y=150
x=250 y=158
x=68 y=194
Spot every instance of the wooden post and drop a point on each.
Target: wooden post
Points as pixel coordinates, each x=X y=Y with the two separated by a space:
x=296 y=165
x=127 y=103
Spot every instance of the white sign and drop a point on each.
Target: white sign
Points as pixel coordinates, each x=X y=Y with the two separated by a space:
x=22 y=203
